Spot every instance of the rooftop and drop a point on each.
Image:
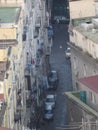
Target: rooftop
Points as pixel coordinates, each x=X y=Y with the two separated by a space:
x=91 y=82
x=75 y=97
x=87 y=27
x=9 y=14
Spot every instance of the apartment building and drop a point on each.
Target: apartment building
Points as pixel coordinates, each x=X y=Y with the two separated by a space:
x=11 y=31
x=83 y=42
x=23 y=49
x=82 y=104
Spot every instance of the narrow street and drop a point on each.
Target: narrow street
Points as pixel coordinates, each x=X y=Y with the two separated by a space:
x=62 y=65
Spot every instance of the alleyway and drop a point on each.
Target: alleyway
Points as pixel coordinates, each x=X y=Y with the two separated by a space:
x=59 y=63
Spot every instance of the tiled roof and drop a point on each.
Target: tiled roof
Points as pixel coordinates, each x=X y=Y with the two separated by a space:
x=91 y=82
x=2 y=128
x=9 y=14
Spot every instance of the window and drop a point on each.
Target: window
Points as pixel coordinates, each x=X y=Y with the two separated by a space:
x=92 y=97
x=0 y=87
x=84 y=70
x=75 y=63
x=77 y=86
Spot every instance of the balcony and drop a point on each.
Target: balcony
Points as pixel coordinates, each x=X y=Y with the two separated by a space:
x=48 y=50
x=2 y=111
x=24 y=37
x=40 y=52
x=25 y=29
x=17 y=116
x=38 y=62
x=46 y=24
x=79 y=99
x=36 y=32
x=50 y=32
x=19 y=104
x=27 y=70
x=38 y=22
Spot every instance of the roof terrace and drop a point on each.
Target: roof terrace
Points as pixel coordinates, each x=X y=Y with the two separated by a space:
x=9 y=14
x=88 y=27
x=75 y=96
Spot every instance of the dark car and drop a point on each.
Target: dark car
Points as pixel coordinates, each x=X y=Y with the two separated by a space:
x=48 y=113
x=53 y=79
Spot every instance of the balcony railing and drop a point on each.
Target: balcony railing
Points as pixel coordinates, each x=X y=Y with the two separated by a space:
x=48 y=50
x=38 y=62
x=24 y=37
x=40 y=52
x=27 y=71
x=38 y=22
x=36 y=32
x=17 y=116
x=2 y=112
x=75 y=97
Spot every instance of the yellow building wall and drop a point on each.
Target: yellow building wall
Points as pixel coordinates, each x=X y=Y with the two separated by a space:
x=3 y=55
x=83 y=8
x=7 y=33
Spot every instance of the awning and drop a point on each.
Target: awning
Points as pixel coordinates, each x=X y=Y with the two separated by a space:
x=1 y=97
x=2 y=128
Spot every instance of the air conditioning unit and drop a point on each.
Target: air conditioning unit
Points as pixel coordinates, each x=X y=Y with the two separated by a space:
x=95 y=22
x=94 y=30
x=87 y=26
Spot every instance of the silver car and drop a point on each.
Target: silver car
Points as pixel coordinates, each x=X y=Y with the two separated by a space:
x=48 y=113
x=50 y=100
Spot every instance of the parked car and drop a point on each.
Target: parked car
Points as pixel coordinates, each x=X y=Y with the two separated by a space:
x=48 y=113
x=51 y=100
x=53 y=79
x=68 y=53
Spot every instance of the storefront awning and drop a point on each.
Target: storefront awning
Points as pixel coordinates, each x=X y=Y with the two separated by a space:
x=3 y=128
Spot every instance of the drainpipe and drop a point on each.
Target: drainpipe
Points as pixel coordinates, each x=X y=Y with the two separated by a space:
x=37 y=85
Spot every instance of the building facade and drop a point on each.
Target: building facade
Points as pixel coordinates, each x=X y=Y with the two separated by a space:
x=23 y=50
x=83 y=43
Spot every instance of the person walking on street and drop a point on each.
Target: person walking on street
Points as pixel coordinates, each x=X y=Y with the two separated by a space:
x=58 y=21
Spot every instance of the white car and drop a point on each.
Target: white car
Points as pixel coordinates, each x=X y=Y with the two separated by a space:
x=68 y=52
x=50 y=100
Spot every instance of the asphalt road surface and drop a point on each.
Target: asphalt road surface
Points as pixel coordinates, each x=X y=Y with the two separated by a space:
x=62 y=65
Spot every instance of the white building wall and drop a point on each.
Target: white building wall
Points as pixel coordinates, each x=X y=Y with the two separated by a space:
x=82 y=66
x=86 y=44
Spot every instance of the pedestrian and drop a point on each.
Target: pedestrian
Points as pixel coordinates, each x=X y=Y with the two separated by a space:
x=57 y=20
x=38 y=123
x=60 y=47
